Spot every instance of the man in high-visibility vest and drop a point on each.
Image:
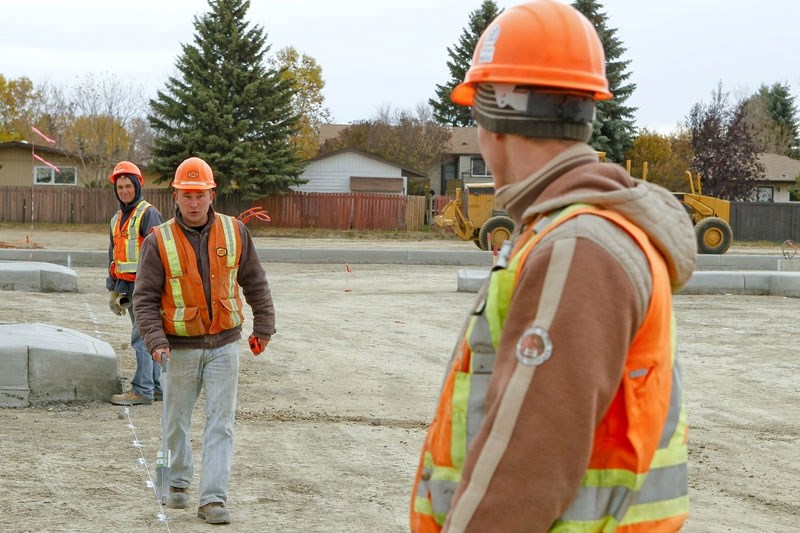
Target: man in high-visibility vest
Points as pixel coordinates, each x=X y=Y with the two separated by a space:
x=562 y=408
x=129 y=226
x=190 y=315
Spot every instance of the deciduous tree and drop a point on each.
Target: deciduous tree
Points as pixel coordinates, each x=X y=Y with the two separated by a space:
x=412 y=140
x=308 y=102
x=771 y=117
x=226 y=106
x=18 y=102
x=668 y=157
x=725 y=154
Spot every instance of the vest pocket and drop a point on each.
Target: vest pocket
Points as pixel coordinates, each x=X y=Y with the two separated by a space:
x=185 y=321
x=232 y=316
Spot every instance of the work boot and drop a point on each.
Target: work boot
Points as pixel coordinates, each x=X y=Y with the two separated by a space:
x=178 y=498
x=158 y=396
x=130 y=398
x=214 y=513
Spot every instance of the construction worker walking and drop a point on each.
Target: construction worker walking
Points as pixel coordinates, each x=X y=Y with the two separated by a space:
x=129 y=227
x=562 y=407
x=190 y=313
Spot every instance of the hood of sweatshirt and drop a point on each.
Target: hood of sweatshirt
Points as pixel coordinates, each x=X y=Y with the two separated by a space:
x=577 y=176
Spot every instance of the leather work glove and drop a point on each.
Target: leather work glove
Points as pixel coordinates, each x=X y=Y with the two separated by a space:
x=113 y=303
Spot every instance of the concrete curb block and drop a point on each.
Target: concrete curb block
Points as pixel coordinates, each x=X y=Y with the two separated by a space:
x=95 y=258
x=77 y=258
x=68 y=258
x=752 y=282
x=37 y=277
x=375 y=256
x=757 y=282
x=41 y=364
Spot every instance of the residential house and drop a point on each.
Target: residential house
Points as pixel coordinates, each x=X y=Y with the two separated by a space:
x=19 y=166
x=779 y=182
x=462 y=163
x=351 y=170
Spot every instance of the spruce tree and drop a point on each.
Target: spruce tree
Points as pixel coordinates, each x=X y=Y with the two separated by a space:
x=444 y=110
x=781 y=106
x=227 y=107
x=614 y=125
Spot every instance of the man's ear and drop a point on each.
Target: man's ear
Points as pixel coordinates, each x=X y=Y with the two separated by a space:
x=174 y=196
x=213 y=195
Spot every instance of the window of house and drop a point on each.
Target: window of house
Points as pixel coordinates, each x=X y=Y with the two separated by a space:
x=449 y=170
x=48 y=176
x=765 y=194
x=478 y=167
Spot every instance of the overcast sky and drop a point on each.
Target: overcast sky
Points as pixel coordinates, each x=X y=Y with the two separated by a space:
x=393 y=52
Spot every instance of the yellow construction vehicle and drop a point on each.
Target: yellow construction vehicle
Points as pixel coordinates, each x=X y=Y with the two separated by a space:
x=711 y=216
x=473 y=217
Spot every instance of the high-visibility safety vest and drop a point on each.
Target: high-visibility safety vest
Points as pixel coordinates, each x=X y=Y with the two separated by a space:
x=636 y=480
x=127 y=242
x=184 y=311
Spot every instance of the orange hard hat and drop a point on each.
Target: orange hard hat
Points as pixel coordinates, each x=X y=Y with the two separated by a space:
x=543 y=43
x=126 y=167
x=195 y=174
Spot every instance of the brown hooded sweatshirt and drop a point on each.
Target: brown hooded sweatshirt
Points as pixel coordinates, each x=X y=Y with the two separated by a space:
x=150 y=285
x=605 y=297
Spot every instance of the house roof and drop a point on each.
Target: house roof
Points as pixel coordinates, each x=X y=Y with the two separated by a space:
x=462 y=140
x=405 y=171
x=40 y=148
x=779 y=168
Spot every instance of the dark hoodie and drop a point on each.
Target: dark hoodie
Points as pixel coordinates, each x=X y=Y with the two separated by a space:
x=150 y=219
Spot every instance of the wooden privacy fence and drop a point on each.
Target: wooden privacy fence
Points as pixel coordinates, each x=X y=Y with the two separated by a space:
x=775 y=222
x=345 y=211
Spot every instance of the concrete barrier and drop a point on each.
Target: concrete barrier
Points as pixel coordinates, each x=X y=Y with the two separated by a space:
x=37 y=277
x=409 y=256
x=282 y=255
x=67 y=258
x=756 y=282
x=41 y=364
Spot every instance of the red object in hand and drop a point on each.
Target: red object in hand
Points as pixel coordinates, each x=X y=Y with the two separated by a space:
x=255 y=345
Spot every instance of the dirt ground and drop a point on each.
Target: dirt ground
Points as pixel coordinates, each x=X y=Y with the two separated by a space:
x=331 y=418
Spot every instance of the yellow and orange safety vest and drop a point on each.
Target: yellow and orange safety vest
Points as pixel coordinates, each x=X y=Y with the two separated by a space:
x=127 y=243
x=183 y=302
x=636 y=481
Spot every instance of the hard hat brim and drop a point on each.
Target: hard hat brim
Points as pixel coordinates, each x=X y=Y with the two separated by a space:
x=463 y=94
x=193 y=186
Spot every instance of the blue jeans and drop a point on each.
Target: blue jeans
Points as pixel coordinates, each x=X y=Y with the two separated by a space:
x=147 y=379
x=189 y=371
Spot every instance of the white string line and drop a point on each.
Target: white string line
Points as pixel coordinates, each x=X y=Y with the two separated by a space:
x=91 y=314
x=162 y=515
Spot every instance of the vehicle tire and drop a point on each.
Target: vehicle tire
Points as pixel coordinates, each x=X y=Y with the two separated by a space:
x=499 y=228
x=714 y=236
x=477 y=243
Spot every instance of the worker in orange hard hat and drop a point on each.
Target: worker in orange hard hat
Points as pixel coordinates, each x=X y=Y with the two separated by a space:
x=129 y=226
x=190 y=314
x=562 y=408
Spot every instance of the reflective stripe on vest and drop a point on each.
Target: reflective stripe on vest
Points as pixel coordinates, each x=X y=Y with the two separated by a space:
x=127 y=242
x=184 y=306
x=652 y=497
